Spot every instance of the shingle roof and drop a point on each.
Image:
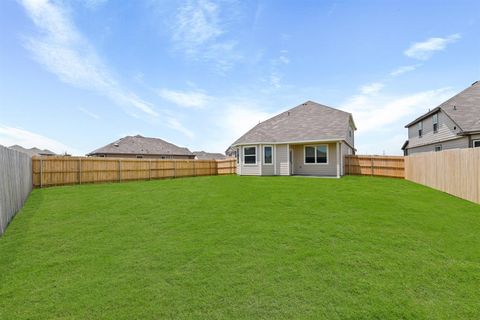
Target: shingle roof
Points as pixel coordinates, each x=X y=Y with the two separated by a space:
x=202 y=155
x=309 y=121
x=463 y=109
x=140 y=145
x=33 y=151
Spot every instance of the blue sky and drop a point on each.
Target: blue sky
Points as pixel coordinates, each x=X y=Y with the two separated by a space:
x=76 y=75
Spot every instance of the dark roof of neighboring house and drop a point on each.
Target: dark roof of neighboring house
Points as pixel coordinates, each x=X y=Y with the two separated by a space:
x=33 y=151
x=309 y=121
x=202 y=155
x=463 y=109
x=140 y=145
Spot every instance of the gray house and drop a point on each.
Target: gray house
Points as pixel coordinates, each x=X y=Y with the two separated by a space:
x=310 y=139
x=142 y=147
x=453 y=124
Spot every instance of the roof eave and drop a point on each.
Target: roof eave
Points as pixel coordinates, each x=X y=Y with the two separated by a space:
x=426 y=115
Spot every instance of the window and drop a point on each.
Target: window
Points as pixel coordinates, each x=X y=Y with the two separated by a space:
x=267 y=155
x=476 y=143
x=139 y=156
x=316 y=154
x=438 y=148
x=250 y=155
x=435 y=123
x=237 y=155
x=420 y=129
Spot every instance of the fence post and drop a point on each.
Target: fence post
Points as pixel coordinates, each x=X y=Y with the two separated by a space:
x=41 y=173
x=119 y=170
x=149 y=169
x=194 y=169
x=371 y=164
x=174 y=168
x=80 y=171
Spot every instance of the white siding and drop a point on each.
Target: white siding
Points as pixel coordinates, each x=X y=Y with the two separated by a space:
x=281 y=159
x=329 y=169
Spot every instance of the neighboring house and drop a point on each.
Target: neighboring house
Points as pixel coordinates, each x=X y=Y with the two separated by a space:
x=453 y=124
x=142 y=147
x=230 y=152
x=33 y=151
x=310 y=139
x=202 y=155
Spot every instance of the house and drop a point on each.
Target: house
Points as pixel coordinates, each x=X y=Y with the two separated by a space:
x=33 y=151
x=142 y=147
x=310 y=139
x=202 y=155
x=453 y=124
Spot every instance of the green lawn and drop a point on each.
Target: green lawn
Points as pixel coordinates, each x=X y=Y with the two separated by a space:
x=244 y=248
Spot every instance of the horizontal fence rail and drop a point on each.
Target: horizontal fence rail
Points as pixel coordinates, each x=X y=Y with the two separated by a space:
x=454 y=171
x=384 y=166
x=55 y=171
x=15 y=184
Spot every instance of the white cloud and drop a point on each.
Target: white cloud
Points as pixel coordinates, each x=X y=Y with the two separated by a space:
x=187 y=99
x=404 y=69
x=89 y=113
x=94 y=4
x=62 y=50
x=284 y=60
x=373 y=113
x=372 y=88
x=424 y=50
x=11 y=135
x=176 y=125
x=197 y=30
x=197 y=23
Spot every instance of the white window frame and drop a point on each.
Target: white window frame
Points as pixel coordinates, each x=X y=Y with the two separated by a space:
x=237 y=155
x=473 y=143
x=315 y=147
x=243 y=156
x=436 y=146
x=264 y=162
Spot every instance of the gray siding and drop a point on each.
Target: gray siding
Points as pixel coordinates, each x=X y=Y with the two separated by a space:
x=267 y=169
x=250 y=169
x=461 y=142
x=346 y=150
x=281 y=159
x=329 y=169
x=446 y=131
x=351 y=140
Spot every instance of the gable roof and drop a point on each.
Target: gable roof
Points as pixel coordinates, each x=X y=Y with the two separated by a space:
x=463 y=109
x=309 y=121
x=140 y=145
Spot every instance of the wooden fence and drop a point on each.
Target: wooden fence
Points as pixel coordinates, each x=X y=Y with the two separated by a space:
x=385 y=166
x=54 y=171
x=454 y=171
x=15 y=184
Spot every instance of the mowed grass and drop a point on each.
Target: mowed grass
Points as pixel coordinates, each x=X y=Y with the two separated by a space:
x=242 y=248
